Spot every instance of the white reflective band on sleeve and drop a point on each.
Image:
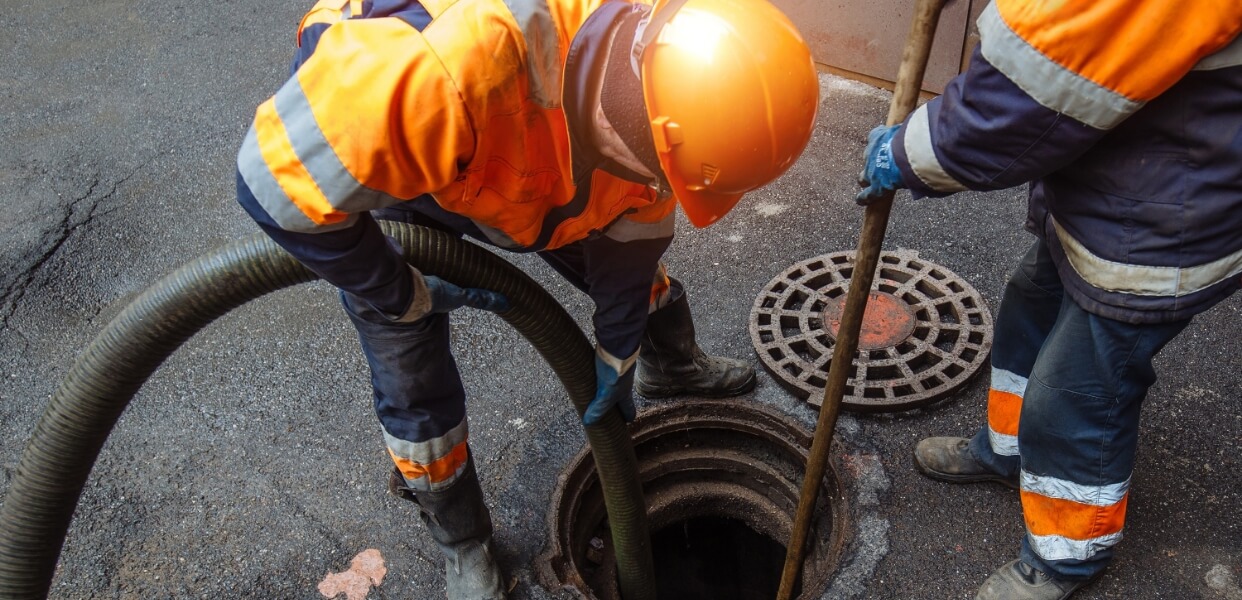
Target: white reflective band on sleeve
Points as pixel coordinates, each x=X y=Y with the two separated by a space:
x=1229 y=56
x=1047 y=82
x=343 y=191
x=544 y=63
x=922 y=154
x=496 y=236
x=420 y=298
x=625 y=230
x=617 y=364
x=266 y=190
x=1003 y=444
x=1061 y=489
x=425 y=453
x=1141 y=280
x=1056 y=547
x=1008 y=381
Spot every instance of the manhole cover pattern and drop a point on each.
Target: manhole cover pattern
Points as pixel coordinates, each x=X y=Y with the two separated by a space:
x=949 y=340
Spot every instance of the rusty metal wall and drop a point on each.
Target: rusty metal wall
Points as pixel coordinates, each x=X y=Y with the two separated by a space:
x=863 y=39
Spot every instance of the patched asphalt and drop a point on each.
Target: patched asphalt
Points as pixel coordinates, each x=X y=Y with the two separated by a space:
x=250 y=464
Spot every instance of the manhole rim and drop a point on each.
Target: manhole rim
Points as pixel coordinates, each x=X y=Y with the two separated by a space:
x=556 y=567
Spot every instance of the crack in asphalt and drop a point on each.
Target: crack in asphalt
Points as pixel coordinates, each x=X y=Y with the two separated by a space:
x=70 y=223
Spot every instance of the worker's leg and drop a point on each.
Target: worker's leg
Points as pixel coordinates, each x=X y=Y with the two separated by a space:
x=670 y=361
x=1078 y=437
x=1028 y=310
x=420 y=402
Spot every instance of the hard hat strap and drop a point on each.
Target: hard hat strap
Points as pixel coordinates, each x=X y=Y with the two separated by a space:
x=649 y=28
x=621 y=97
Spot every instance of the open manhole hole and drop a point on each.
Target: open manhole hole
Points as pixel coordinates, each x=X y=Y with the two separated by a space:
x=721 y=480
x=925 y=332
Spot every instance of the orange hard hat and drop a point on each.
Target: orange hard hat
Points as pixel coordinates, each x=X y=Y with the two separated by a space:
x=731 y=94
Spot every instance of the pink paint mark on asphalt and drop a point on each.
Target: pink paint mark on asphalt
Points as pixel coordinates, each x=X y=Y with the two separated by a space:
x=366 y=570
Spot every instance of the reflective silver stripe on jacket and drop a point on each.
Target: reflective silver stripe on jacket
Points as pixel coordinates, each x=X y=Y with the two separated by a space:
x=497 y=237
x=1048 y=83
x=543 y=53
x=620 y=365
x=1141 y=280
x=921 y=153
x=268 y=192
x=625 y=230
x=338 y=185
x=1229 y=56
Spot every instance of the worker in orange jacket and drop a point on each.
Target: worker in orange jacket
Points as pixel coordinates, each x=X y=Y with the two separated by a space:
x=568 y=128
x=1126 y=118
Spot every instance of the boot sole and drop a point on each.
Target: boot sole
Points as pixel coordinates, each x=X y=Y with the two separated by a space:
x=955 y=478
x=656 y=393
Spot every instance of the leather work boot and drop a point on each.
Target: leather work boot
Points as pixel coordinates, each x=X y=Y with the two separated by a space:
x=1020 y=581
x=671 y=363
x=462 y=528
x=949 y=459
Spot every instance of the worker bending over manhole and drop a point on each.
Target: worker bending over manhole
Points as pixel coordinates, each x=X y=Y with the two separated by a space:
x=567 y=128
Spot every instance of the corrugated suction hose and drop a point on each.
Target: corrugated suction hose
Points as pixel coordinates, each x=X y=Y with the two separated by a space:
x=62 y=450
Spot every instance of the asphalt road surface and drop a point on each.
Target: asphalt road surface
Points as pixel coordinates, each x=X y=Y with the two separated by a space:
x=251 y=466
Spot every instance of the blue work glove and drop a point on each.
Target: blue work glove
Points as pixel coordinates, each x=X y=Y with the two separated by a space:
x=446 y=296
x=614 y=385
x=880 y=174
x=435 y=295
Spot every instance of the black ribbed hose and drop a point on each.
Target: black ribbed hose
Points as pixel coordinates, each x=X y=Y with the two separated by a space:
x=62 y=450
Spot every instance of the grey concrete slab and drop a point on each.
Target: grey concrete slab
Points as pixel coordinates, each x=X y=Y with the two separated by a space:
x=250 y=464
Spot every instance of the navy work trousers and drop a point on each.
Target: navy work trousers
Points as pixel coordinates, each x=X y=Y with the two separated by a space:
x=1087 y=377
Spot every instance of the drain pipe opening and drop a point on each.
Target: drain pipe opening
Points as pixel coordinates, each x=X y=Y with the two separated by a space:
x=721 y=481
x=715 y=557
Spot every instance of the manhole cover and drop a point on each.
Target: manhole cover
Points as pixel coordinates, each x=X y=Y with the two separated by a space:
x=925 y=332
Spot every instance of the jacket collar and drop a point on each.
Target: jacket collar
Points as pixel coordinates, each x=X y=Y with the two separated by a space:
x=584 y=68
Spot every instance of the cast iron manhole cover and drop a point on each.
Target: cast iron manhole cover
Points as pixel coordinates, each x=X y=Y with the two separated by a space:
x=925 y=332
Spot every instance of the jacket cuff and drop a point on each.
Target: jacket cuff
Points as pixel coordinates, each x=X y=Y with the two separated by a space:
x=420 y=299
x=620 y=365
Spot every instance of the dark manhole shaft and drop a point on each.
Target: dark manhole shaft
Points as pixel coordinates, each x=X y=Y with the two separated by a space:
x=721 y=480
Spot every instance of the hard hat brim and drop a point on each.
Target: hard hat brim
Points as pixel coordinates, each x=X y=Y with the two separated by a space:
x=703 y=208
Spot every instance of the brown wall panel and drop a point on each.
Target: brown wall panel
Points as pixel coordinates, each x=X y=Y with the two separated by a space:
x=865 y=38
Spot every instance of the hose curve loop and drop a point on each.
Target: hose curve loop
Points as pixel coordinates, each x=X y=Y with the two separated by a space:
x=62 y=450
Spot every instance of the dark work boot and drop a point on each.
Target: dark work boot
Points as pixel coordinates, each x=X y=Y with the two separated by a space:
x=671 y=363
x=462 y=527
x=1020 y=581
x=949 y=459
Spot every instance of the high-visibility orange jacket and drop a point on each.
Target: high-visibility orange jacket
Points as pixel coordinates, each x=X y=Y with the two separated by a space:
x=464 y=104
x=1126 y=116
